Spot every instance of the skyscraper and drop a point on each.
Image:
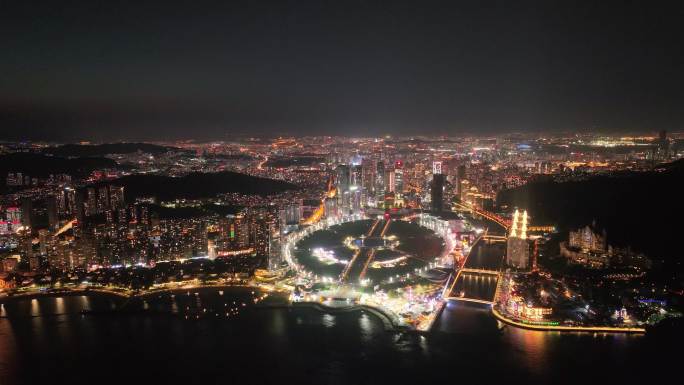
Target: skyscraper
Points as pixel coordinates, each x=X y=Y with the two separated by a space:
x=292 y=214
x=79 y=209
x=437 y=192
x=663 y=146
x=380 y=179
x=70 y=201
x=116 y=197
x=357 y=176
x=436 y=167
x=27 y=212
x=391 y=182
x=61 y=200
x=368 y=181
x=102 y=199
x=91 y=201
x=343 y=177
x=53 y=217
x=399 y=176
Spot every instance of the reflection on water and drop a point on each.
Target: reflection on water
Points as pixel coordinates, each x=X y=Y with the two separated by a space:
x=298 y=345
x=476 y=286
x=486 y=255
x=59 y=305
x=532 y=344
x=35 y=308
x=85 y=303
x=8 y=350
x=366 y=327
x=328 y=320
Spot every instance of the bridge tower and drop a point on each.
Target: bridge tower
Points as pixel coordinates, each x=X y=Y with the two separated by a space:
x=517 y=246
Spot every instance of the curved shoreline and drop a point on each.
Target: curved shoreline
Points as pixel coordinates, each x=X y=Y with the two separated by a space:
x=584 y=329
x=388 y=322
x=64 y=293
x=120 y=293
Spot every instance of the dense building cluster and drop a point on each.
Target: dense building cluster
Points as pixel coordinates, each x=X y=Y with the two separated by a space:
x=85 y=218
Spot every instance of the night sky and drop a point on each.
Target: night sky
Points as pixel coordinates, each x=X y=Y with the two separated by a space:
x=152 y=71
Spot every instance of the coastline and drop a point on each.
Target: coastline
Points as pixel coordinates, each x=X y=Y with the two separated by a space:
x=388 y=321
x=587 y=329
x=122 y=293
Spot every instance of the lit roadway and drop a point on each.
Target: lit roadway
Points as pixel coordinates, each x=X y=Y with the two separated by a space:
x=345 y=273
x=371 y=253
x=261 y=164
x=66 y=227
x=505 y=223
x=320 y=211
x=480 y=271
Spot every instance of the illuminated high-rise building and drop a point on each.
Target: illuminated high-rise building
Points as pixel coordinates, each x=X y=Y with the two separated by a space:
x=437 y=192
x=399 y=176
x=116 y=197
x=13 y=215
x=331 y=208
x=357 y=176
x=61 y=200
x=133 y=209
x=102 y=199
x=518 y=248
x=355 y=197
x=391 y=182
x=70 y=201
x=368 y=181
x=663 y=146
x=380 y=185
x=122 y=215
x=260 y=235
x=292 y=214
x=52 y=212
x=91 y=201
x=79 y=206
x=436 y=167
x=144 y=215
x=343 y=177
x=27 y=212
x=44 y=239
x=234 y=230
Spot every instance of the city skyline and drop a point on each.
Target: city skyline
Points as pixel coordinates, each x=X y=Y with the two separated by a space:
x=495 y=238
x=341 y=192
